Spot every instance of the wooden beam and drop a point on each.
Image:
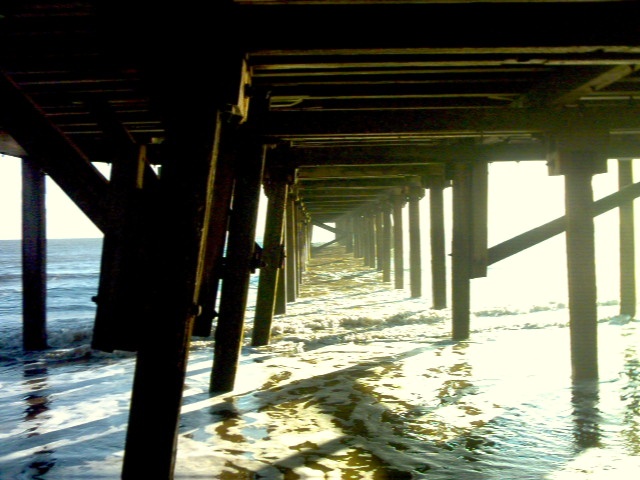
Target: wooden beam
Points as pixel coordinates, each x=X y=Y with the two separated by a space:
x=569 y=86
x=363 y=171
x=469 y=122
x=557 y=226
x=56 y=155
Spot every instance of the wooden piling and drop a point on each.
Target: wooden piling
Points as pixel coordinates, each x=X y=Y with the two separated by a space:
x=581 y=269
x=627 y=244
x=229 y=332
x=386 y=241
x=379 y=239
x=415 y=256
x=34 y=260
x=291 y=250
x=217 y=233
x=461 y=252
x=437 y=237
x=398 y=199
x=276 y=191
x=578 y=154
x=180 y=227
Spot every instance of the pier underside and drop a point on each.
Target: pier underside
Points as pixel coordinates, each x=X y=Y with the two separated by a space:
x=344 y=113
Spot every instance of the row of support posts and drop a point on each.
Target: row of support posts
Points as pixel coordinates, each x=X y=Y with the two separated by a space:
x=199 y=207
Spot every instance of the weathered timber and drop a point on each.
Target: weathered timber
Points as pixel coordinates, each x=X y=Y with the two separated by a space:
x=415 y=254
x=479 y=218
x=379 y=238
x=386 y=241
x=180 y=225
x=437 y=238
x=627 y=244
x=281 y=288
x=291 y=250
x=461 y=252
x=55 y=154
x=34 y=257
x=121 y=304
x=558 y=225
x=398 y=199
x=486 y=121
x=235 y=284
x=217 y=233
x=581 y=270
x=277 y=189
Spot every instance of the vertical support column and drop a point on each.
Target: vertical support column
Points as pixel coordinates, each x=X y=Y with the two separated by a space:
x=281 y=288
x=291 y=250
x=240 y=250
x=398 y=199
x=437 y=234
x=180 y=227
x=386 y=241
x=582 y=274
x=578 y=154
x=415 y=256
x=379 y=236
x=34 y=260
x=276 y=190
x=627 y=244
x=348 y=234
x=216 y=237
x=461 y=252
x=368 y=238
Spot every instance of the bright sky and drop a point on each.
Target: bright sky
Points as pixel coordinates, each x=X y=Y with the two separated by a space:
x=522 y=195
x=64 y=218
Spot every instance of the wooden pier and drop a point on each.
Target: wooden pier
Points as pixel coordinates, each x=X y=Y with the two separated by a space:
x=342 y=126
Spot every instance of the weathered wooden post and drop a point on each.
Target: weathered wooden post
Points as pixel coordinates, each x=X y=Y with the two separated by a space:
x=123 y=264
x=578 y=155
x=348 y=232
x=378 y=223
x=217 y=233
x=281 y=288
x=398 y=199
x=34 y=257
x=291 y=249
x=436 y=185
x=370 y=225
x=229 y=332
x=416 y=192
x=461 y=251
x=358 y=236
x=627 y=243
x=180 y=224
x=275 y=186
x=386 y=241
